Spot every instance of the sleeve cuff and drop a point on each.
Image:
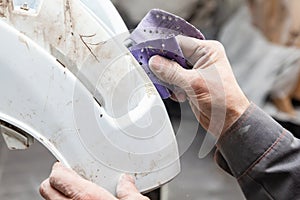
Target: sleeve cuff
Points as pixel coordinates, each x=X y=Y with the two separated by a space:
x=247 y=139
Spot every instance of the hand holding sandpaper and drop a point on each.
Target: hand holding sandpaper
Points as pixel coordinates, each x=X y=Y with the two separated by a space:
x=155 y=35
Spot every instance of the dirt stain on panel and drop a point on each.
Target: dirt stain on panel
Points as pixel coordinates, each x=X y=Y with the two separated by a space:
x=3 y=7
x=80 y=171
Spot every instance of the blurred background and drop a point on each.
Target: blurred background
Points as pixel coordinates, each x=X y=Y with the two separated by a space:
x=261 y=39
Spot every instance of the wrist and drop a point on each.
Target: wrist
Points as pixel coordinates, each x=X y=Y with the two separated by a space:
x=234 y=111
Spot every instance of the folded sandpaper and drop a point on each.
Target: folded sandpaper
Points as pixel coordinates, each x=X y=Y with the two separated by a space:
x=155 y=35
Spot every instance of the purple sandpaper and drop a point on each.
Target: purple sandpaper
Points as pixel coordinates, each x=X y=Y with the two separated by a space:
x=155 y=35
x=159 y=24
x=167 y=48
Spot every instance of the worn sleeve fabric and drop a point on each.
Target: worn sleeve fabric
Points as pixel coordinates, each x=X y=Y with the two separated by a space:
x=262 y=156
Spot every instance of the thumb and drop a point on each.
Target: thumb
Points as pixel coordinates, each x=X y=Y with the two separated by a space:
x=126 y=189
x=169 y=71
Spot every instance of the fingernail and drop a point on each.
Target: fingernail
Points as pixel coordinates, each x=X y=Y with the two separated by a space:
x=56 y=165
x=126 y=177
x=155 y=63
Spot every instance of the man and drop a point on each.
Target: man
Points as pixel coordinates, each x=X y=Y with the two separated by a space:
x=264 y=157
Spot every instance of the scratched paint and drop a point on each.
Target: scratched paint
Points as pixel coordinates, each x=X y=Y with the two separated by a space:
x=62 y=26
x=66 y=30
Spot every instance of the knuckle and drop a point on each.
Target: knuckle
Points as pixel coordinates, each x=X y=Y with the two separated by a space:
x=200 y=51
x=218 y=45
x=216 y=51
x=197 y=83
x=172 y=73
x=42 y=189
x=52 y=181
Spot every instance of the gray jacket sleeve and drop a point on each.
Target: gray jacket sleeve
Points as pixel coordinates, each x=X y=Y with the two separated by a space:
x=262 y=156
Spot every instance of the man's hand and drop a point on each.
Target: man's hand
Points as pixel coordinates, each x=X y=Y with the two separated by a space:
x=64 y=183
x=210 y=85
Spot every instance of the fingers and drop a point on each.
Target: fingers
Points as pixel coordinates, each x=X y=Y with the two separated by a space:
x=50 y=193
x=66 y=180
x=169 y=71
x=192 y=48
x=200 y=53
x=126 y=189
x=126 y=186
x=71 y=185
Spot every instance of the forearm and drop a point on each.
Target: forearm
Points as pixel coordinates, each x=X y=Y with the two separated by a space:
x=263 y=156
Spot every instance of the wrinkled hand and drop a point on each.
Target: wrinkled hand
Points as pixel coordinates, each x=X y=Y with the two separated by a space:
x=64 y=183
x=210 y=86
